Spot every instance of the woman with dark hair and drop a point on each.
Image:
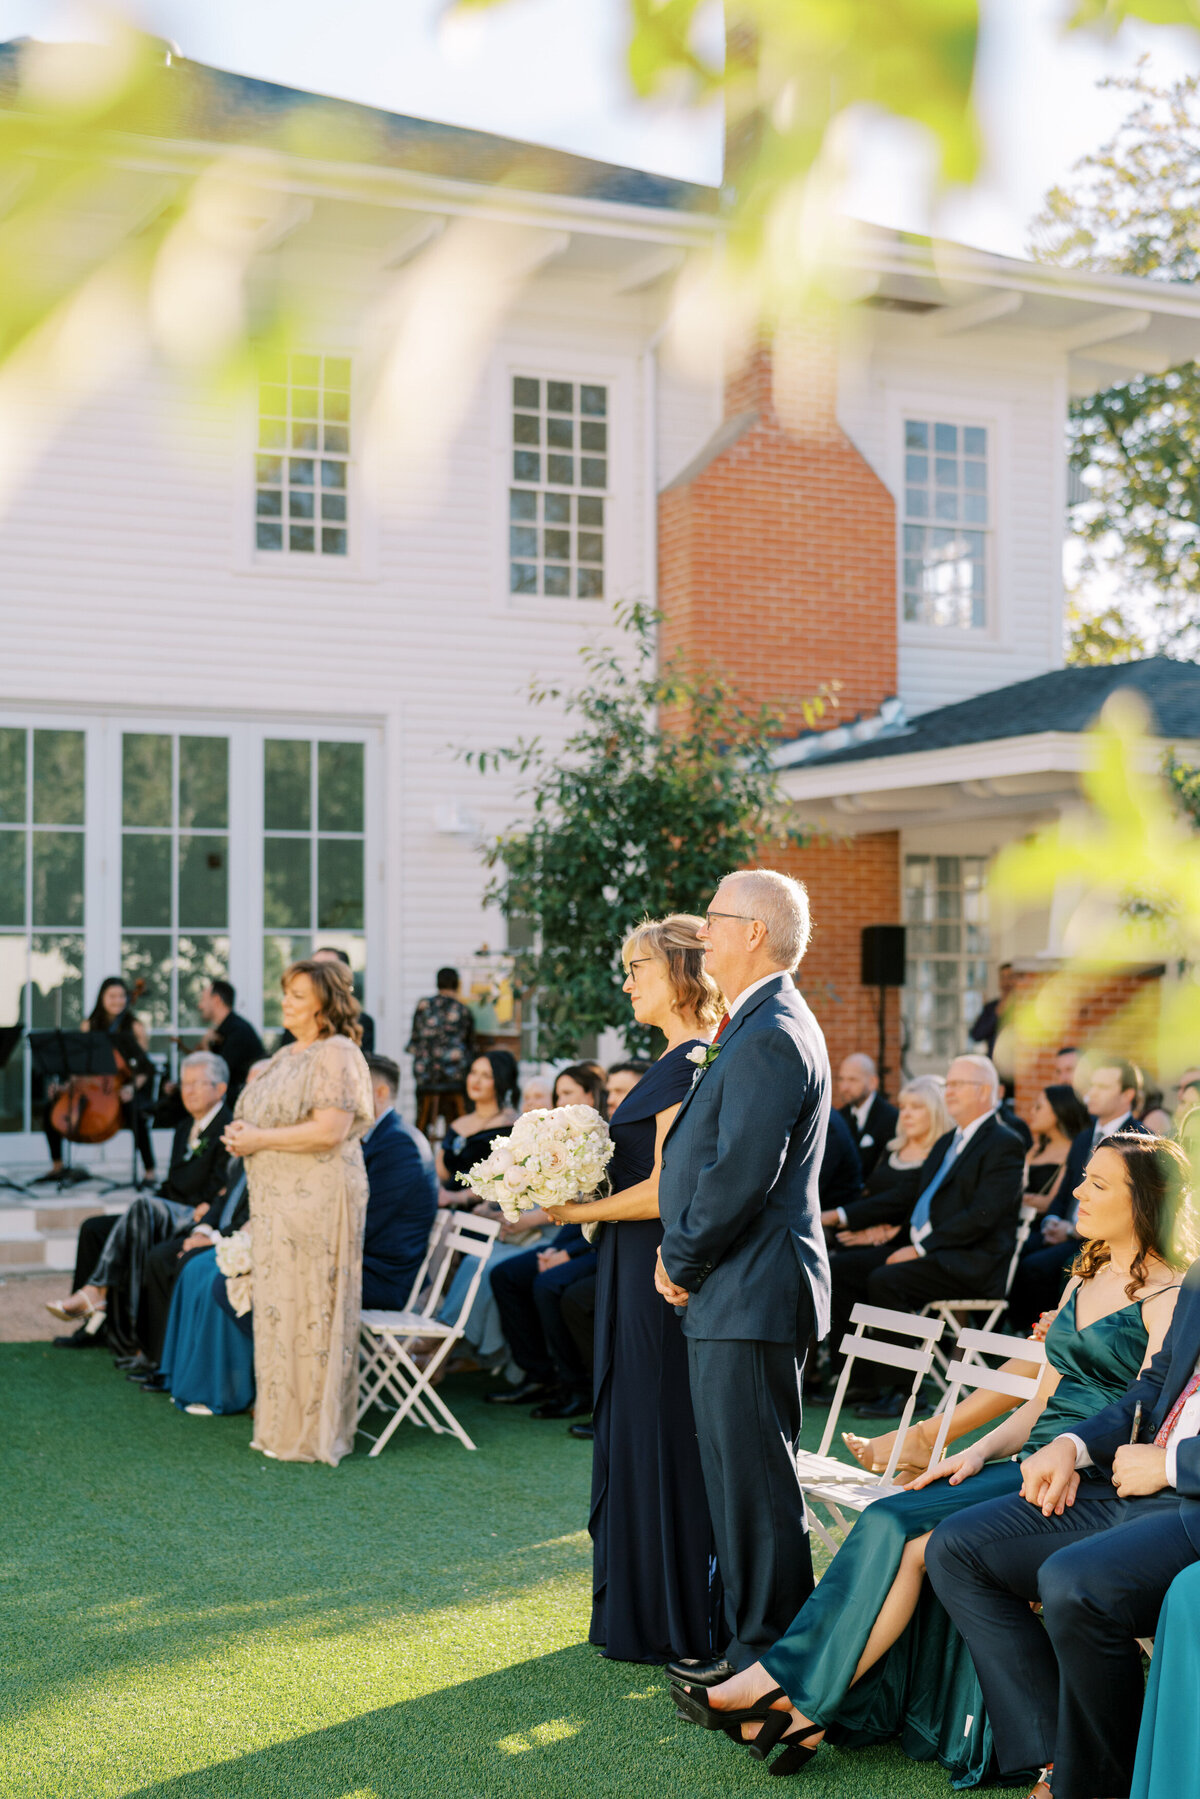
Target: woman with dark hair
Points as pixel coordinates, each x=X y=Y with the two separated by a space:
x=582 y=1084
x=872 y=1654
x=298 y=1127
x=1055 y=1119
x=654 y=1598
x=113 y=1016
x=492 y=1082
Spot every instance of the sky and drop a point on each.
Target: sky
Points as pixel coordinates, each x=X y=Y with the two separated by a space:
x=552 y=71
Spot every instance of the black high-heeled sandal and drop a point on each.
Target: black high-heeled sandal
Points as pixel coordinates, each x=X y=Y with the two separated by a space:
x=796 y=1752
x=693 y=1705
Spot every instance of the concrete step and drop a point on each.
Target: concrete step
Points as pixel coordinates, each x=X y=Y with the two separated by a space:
x=42 y=1232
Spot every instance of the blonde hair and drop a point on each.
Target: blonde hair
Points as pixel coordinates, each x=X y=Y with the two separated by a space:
x=781 y=905
x=675 y=942
x=334 y=988
x=929 y=1090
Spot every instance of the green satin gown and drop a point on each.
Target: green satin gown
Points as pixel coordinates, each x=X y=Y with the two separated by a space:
x=924 y=1690
x=1168 y=1753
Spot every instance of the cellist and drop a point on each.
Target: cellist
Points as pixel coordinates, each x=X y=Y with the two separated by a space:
x=113 y=1015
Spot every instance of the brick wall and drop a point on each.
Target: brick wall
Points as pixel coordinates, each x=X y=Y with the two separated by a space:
x=777 y=564
x=1115 y=1013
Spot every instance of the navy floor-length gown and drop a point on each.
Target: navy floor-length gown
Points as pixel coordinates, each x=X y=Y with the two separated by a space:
x=655 y=1592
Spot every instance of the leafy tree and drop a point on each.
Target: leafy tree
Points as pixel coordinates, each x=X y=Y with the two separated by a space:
x=1107 y=636
x=1183 y=778
x=1133 y=208
x=665 y=783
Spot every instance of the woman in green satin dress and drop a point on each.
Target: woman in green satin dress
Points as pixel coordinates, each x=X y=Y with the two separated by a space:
x=872 y=1655
x=1168 y=1754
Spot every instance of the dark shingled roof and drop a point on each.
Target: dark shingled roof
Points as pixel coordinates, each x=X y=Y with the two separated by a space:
x=1066 y=699
x=192 y=101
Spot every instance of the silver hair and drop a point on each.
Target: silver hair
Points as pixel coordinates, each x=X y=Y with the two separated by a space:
x=215 y=1067
x=929 y=1090
x=985 y=1069
x=781 y=904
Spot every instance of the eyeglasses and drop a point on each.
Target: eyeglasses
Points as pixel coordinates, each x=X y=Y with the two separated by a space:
x=638 y=962
x=746 y=917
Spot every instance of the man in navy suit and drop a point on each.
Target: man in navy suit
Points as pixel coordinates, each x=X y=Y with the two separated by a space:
x=1071 y=1693
x=402 y=1195
x=743 y=1254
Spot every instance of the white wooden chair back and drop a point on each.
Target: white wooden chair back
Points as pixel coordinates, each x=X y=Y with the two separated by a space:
x=988 y=1311
x=967 y=1371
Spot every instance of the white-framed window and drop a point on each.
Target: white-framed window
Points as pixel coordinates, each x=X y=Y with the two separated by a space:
x=302 y=461
x=42 y=900
x=559 y=487
x=946 y=523
x=313 y=857
x=946 y=945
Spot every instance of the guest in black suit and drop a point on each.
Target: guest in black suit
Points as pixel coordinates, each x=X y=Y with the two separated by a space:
x=743 y=1254
x=1099 y=1553
x=1111 y=1097
x=964 y=1223
x=230 y=1036
x=871 y=1117
x=112 y=1250
x=402 y=1196
x=365 y=1021
x=840 y=1182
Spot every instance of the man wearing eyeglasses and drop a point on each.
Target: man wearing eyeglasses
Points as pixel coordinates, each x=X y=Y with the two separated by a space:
x=743 y=1254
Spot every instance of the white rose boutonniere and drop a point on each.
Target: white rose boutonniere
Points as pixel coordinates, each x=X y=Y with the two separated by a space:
x=702 y=1058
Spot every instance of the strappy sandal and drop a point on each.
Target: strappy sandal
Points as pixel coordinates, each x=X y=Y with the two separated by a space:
x=91 y=1320
x=1043 y=1780
x=796 y=1750
x=692 y=1703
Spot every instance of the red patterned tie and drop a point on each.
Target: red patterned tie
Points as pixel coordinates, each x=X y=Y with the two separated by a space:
x=1163 y=1433
x=721 y=1026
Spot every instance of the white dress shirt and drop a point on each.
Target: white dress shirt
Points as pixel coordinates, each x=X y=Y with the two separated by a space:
x=735 y=1005
x=1186 y=1425
x=200 y=1125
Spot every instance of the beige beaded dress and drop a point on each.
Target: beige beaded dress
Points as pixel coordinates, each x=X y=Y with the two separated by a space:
x=307 y=1214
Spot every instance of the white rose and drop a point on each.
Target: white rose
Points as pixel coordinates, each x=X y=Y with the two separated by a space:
x=697 y=1055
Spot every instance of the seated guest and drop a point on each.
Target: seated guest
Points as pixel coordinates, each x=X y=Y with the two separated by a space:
x=402 y=1195
x=1056 y=1119
x=620 y=1080
x=1107 y=1516
x=1168 y=1751
x=578 y=1307
x=491 y=1090
x=528 y=1290
x=537 y=1095
x=207 y=1361
x=869 y=1655
x=1187 y=1094
x=872 y=1118
x=166 y=1263
x=964 y=1222
x=364 y=1020
x=840 y=1179
x=890 y=1191
x=1153 y=1114
x=1066 y=1060
x=1112 y=1095
x=112 y=1250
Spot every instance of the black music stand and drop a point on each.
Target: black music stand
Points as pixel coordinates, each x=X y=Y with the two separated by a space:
x=57 y=1055
x=10 y=1036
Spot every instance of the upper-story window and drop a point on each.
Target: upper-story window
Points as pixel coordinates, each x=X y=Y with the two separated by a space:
x=946 y=524
x=556 y=503
x=302 y=464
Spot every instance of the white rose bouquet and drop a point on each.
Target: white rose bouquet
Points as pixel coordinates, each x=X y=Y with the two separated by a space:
x=549 y=1159
x=235 y=1260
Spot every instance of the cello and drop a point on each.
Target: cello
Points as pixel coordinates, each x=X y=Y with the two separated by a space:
x=88 y=1108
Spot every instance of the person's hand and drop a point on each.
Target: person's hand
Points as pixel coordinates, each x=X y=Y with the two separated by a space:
x=509 y=1231
x=830 y=1218
x=1049 y=1479
x=908 y=1254
x=1055 y=1230
x=954 y=1468
x=871 y=1233
x=566 y=1213
x=242 y=1139
x=551 y=1258
x=199 y=1241
x=200 y=1211
x=1038 y=1333
x=1138 y=1469
x=675 y=1296
x=448 y=1199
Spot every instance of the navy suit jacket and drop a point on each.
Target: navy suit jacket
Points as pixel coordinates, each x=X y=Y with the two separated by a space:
x=401 y=1207
x=840 y=1181
x=1158 y=1388
x=738 y=1192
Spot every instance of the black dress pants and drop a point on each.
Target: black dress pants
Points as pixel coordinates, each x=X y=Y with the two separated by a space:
x=579 y=1315
x=162 y=1269
x=1070 y=1692
x=93 y=1235
x=531 y=1317
x=746 y=1398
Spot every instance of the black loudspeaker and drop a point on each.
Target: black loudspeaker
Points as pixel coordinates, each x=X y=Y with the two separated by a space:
x=883 y=955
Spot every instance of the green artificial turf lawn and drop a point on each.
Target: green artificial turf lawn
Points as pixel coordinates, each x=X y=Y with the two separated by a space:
x=186 y=1620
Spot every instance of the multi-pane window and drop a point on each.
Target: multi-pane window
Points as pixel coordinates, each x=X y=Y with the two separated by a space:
x=174 y=873
x=303 y=459
x=313 y=852
x=41 y=899
x=946 y=524
x=945 y=912
x=556 y=503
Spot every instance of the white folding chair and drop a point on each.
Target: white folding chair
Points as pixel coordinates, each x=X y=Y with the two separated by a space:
x=387 y=1372
x=840 y=1487
x=953 y=1312
x=969 y=1371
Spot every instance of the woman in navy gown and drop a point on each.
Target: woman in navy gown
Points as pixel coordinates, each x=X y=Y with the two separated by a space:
x=654 y=1590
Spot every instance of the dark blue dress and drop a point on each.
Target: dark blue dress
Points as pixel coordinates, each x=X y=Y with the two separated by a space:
x=655 y=1592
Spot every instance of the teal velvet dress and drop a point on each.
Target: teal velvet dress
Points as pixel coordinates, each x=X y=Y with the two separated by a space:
x=1168 y=1753
x=924 y=1690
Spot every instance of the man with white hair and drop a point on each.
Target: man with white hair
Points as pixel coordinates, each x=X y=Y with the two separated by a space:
x=872 y=1119
x=963 y=1227
x=743 y=1254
